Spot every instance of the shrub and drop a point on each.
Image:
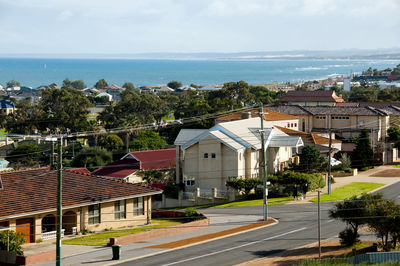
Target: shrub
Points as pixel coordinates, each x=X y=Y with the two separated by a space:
x=348 y=237
x=15 y=240
x=171 y=191
x=245 y=185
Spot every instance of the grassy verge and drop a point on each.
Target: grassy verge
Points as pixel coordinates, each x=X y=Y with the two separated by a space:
x=341 y=262
x=348 y=191
x=101 y=239
x=397 y=165
x=244 y=203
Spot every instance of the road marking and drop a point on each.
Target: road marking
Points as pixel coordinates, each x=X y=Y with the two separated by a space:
x=233 y=248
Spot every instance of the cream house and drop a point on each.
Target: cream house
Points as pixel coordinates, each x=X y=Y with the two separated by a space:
x=208 y=158
x=28 y=203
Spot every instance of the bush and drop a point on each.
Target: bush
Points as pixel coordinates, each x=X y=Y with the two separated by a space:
x=15 y=241
x=348 y=238
x=245 y=185
x=313 y=181
x=171 y=191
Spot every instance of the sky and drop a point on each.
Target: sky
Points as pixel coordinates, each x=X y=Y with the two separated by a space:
x=147 y=26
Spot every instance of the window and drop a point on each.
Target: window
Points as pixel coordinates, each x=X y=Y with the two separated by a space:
x=190 y=181
x=138 y=206
x=94 y=214
x=288 y=124
x=340 y=118
x=213 y=155
x=295 y=124
x=291 y=125
x=205 y=155
x=4 y=225
x=119 y=210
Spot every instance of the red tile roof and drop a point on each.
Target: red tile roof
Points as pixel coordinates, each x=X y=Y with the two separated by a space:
x=118 y=169
x=138 y=160
x=155 y=159
x=35 y=190
x=268 y=116
x=78 y=170
x=311 y=96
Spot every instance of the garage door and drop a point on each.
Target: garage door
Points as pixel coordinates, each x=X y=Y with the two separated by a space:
x=25 y=226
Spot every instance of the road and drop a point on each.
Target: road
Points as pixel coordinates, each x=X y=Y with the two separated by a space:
x=297 y=227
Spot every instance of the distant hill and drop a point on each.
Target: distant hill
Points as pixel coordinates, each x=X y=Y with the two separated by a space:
x=390 y=54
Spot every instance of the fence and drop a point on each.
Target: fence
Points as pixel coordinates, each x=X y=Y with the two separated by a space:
x=375 y=257
x=51 y=235
x=188 y=196
x=222 y=194
x=206 y=193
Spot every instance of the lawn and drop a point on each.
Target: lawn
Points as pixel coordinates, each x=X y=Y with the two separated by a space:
x=244 y=203
x=348 y=191
x=397 y=165
x=103 y=238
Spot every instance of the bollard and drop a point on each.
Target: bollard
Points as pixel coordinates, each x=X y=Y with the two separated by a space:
x=116 y=251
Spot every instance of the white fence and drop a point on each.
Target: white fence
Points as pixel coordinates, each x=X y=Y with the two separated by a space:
x=51 y=235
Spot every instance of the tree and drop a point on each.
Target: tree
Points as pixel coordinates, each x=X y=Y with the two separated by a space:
x=174 y=84
x=92 y=158
x=354 y=212
x=148 y=140
x=66 y=108
x=101 y=84
x=246 y=185
x=152 y=176
x=78 y=84
x=12 y=240
x=364 y=93
x=25 y=155
x=363 y=155
x=128 y=86
x=111 y=142
x=13 y=83
x=67 y=83
x=394 y=133
x=310 y=159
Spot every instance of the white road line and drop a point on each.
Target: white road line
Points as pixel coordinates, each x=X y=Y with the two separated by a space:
x=232 y=248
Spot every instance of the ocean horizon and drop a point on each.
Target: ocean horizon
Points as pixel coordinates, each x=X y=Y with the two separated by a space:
x=34 y=72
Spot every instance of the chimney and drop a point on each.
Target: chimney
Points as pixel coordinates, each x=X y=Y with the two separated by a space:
x=245 y=115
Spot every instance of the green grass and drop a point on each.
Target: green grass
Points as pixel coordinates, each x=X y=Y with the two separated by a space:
x=101 y=239
x=342 y=262
x=348 y=191
x=244 y=203
x=397 y=165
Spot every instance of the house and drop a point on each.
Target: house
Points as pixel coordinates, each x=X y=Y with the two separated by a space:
x=7 y=107
x=311 y=98
x=104 y=94
x=319 y=142
x=208 y=158
x=279 y=119
x=115 y=91
x=28 y=202
x=128 y=166
x=345 y=121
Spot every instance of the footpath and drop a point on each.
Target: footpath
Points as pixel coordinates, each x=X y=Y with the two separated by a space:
x=219 y=227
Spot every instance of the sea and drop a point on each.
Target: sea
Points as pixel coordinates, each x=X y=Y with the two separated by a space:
x=36 y=72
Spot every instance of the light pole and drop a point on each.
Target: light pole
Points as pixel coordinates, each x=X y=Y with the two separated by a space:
x=263 y=156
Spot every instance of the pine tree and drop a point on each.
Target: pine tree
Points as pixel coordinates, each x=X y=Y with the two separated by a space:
x=363 y=155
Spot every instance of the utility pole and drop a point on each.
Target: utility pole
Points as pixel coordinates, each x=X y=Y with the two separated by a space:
x=319 y=225
x=329 y=160
x=59 y=203
x=52 y=154
x=265 y=193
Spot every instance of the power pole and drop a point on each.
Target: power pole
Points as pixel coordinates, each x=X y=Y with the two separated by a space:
x=265 y=193
x=52 y=155
x=329 y=160
x=319 y=226
x=59 y=203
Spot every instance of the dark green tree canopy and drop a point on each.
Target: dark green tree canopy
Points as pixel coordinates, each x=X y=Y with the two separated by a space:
x=128 y=86
x=394 y=133
x=92 y=158
x=174 y=84
x=111 y=142
x=13 y=83
x=76 y=84
x=148 y=140
x=363 y=155
x=310 y=159
x=101 y=84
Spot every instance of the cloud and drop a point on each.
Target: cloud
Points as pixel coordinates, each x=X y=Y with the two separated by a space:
x=65 y=15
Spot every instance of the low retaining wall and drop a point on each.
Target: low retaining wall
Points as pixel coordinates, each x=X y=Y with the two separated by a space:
x=36 y=258
x=160 y=232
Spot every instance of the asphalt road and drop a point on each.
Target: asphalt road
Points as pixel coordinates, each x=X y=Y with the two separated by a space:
x=298 y=226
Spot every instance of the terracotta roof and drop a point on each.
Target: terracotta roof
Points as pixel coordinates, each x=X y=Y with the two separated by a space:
x=307 y=137
x=155 y=159
x=78 y=170
x=268 y=116
x=311 y=96
x=329 y=110
x=118 y=169
x=35 y=190
x=138 y=160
